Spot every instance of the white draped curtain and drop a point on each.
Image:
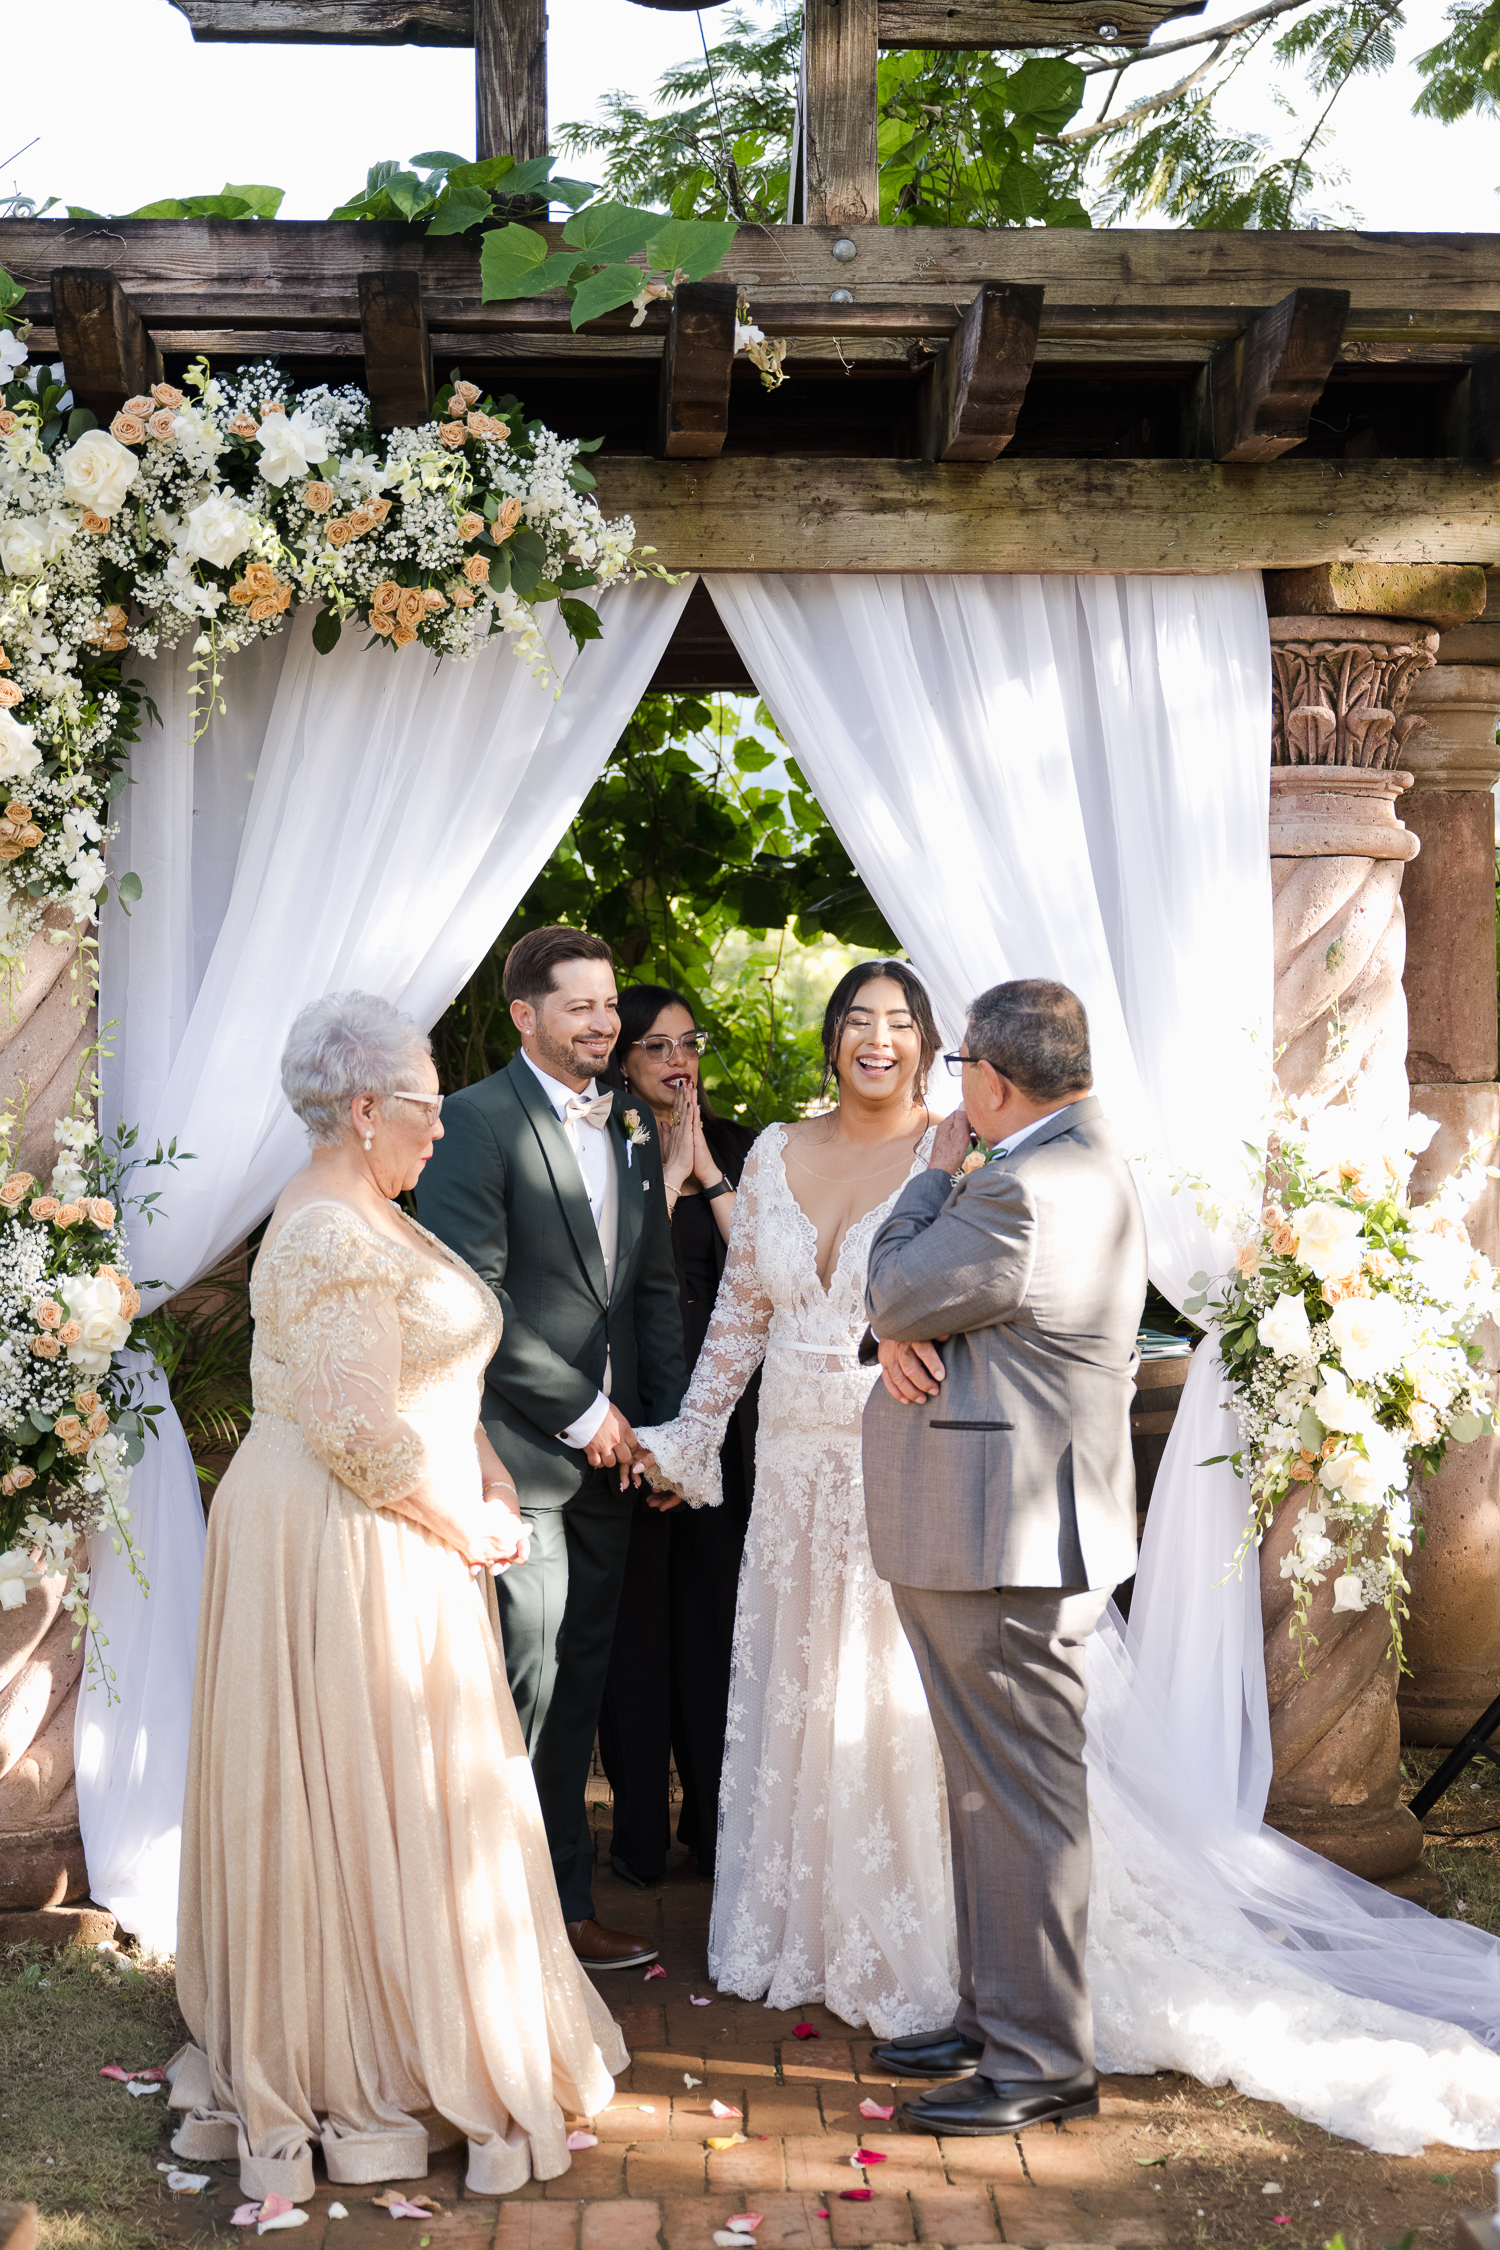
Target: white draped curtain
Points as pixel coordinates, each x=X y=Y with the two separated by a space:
x=353 y=822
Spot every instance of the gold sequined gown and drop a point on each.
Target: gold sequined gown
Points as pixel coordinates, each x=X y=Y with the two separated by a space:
x=371 y=1952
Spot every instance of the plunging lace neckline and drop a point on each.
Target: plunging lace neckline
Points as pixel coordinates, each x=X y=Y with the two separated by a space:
x=828 y=1288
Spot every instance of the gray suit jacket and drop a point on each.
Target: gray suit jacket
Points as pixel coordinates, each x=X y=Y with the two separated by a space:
x=1019 y=1472
x=503 y=1189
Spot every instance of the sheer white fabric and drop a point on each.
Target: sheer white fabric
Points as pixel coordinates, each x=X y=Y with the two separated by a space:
x=1070 y=778
x=831 y=1875
x=357 y=821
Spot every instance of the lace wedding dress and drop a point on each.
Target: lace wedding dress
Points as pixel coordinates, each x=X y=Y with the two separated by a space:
x=832 y=1878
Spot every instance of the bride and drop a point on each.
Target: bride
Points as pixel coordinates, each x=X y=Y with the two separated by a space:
x=832 y=1875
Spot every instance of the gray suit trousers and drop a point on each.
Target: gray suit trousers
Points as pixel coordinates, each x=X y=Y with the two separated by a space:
x=1003 y=1671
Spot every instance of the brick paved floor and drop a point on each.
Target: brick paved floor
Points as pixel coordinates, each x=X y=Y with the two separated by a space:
x=1167 y=2162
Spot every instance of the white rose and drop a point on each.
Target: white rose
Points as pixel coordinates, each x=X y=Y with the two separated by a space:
x=16 y=1577
x=23 y=547
x=289 y=446
x=1353 y=1478
x=1420 y=1132
x=19 y=755
x=1371 y=1336
x=1348 y=1593
x=1442 y=1262
x=12 y=354
x=1329 y=1239
x=1284 y=1330
x=1340 y=1408
x=98 y=472
x=95 y=1305
x=218 y=529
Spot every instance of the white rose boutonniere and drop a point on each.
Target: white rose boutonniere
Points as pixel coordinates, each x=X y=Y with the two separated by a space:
x=636 y=1133
x=98 y=472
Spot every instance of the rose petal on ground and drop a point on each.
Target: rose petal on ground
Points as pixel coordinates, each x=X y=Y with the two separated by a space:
x=727 y=2241
x=337 y=2211
x=187 y=2183
x=246 y=2215
x=134 y=2086
x=283 y=2219
x=689 y=2080
x=856 y=2195
x=868 y=2108
x=1281 y=2222
x=820 y=2214
x=275 y=2206
x=583 y=2140
x=746 y=2221
x=658 y=1971
x=702 y=2002
x=113 y=2070
x=723 y=2109
x=868 y=2156
x=730 y=2140
x=409 y=2211
x=1272 y=2187
x=805 y=2031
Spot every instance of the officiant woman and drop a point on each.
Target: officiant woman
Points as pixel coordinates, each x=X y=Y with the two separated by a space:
x=668 y=1688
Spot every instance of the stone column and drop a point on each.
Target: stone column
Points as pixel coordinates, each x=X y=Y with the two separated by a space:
x=1453 y=1637
x=1343 y=741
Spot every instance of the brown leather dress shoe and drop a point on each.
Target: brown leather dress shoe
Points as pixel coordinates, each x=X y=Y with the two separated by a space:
x=599 y=1948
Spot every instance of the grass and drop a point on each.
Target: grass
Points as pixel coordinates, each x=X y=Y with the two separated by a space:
x=74 y=2143
x=1467 y=1864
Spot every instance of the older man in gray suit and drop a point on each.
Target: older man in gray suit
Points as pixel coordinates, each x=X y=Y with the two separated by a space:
x=1001 y=1507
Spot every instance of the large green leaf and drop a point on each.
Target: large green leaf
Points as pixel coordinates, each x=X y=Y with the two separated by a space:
x=511 y=261
x=608 y=232
x=437 y=160
x=265 y=202
x=460 y=209
x=167 y=208
x=571 y=192
x=1045 y=92
x=411 y=195
x=604 y=291
x=487 y=174
x=693 y=247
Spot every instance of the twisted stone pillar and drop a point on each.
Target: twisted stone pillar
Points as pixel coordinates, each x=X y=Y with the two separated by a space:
x=1338 y=853
x=44 y=1038
x=1453 y=1638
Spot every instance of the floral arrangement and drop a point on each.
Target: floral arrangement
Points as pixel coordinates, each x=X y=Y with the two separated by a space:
x=71 y=1420
x=212 y=510
x=1346 y=1330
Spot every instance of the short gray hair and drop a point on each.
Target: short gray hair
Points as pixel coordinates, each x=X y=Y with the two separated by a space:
x=346 y=1044
x=1036 y=1034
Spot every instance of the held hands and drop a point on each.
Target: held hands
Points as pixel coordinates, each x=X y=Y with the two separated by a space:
x=613 y=1446
x=497 y=1539
x=951 y=1144
x=644 y=1465
x=911 y=1372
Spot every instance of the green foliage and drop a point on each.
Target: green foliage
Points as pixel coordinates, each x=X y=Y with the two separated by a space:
x=959 y=141
x=1463 y=70
x=600 y=238
x=231 y=202
x=713 y=144
x=449 y=195
x=698 y=833
x=202 y=1344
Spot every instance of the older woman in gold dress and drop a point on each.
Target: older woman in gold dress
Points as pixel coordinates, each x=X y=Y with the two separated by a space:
x=372 y=1957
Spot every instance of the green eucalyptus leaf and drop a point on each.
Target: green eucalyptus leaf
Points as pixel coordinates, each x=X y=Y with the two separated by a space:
x=327 y=627
x=82 y=418
x=130 y=887
x=1311 y=1430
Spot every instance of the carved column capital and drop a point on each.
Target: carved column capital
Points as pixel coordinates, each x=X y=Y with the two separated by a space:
x=1459 y=705
x=1338 y=689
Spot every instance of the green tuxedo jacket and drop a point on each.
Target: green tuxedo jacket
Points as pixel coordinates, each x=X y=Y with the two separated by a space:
x=503 y=1189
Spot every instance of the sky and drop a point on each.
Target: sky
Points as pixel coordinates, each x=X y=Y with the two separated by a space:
x=165 y=117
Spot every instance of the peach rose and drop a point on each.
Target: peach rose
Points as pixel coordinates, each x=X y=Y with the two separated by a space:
x=161 y=425
x=509 y=517
x=462 y=597
x=340 y=532
x=1283 y=1241
x=382 y=621
x=242 y=425
x=477 y=571
x=465 y=394
x=46 y=1347
x=453 y=434
x=22 y=1476
x=1248 y=1259
x=166 y=394
x=129 y=429
x=7 y=421
x=261 y=578
x=264 y=606
x=361 y=521
x=403 y=636
x=411 y=608
x=89 y=522
x=14 y=1189
x=9 y=694
x=477 y=425
x=130 y=1300
x=85 y=1401
x=434 y=600
x=318 y=496
x=49 y=1313
x=140 y=406
x=380 y=509
x=1303 y=1471
x=271 y=406
x=98 y=1422
x=386 y=595
x=69 y=1214
x=69 y=1332
x=45 y=1207
x=114 y=617
x=100 y=1210
x=470 y=526
x=4 y=661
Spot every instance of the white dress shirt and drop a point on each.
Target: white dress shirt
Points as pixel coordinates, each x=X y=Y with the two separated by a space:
x=595 y=1161
x=1013 y=1141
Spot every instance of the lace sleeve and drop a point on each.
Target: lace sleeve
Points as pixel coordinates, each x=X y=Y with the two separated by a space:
x=687 y=1450
x=340 y=1336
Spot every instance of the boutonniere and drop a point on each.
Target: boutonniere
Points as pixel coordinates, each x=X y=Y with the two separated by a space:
x=636 y=1135
x=977 y=1158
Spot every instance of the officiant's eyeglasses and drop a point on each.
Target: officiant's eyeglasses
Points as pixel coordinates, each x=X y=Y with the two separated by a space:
x=434 y=1102
x=661 y=1049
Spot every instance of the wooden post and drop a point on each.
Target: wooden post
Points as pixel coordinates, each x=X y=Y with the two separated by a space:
x=398 y=357
x=510 y=78
x=105 y=346
x=840 y=113
x=974 y=390
x=1265 y=387
x=695 y=371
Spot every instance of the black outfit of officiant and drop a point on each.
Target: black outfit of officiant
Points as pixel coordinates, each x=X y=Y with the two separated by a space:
x=668 y=1685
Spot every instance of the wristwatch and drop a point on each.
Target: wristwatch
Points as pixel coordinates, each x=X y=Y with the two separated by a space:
x=720 y=1187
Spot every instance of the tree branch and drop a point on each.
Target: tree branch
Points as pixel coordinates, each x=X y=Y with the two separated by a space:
x=1144 y=109
x=1198 y=39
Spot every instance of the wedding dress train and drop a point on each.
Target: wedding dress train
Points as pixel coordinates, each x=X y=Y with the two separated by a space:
x=1216 y=1947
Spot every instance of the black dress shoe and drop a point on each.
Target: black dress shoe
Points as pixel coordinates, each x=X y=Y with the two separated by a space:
x=990 y=2105
x=627 y=1874
x=928 y=2054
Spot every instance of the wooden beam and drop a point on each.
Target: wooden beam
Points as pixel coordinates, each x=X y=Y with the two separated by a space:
x=1016 y=23
x=344 y=23
x=105 y=345
x=750 y=512
x=974 y=389
x=693 y=414
x=398 y=356
x=510 y=78
x=1478 y=409
x=840 y=123
x=1264 y=387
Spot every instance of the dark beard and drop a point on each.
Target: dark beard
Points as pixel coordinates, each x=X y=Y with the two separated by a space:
x=561 y=1058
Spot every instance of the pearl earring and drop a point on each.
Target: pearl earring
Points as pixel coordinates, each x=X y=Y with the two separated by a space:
x=369 y=1140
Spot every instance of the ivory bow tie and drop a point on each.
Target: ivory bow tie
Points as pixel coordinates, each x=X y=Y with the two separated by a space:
x=582 y=1110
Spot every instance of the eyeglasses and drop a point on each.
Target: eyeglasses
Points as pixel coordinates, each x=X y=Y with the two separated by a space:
x=434 y=1102
x=958 y=1064
x=661 y=1049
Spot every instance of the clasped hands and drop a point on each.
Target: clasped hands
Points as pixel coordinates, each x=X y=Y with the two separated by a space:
x=614 y=1445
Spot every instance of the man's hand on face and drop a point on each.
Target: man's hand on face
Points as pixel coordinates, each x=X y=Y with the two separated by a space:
x=911 y=1372
x=951 y=1143
x=613 y=1445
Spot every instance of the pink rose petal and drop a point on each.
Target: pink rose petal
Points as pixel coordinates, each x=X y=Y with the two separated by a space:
x=583 y=2140
x=658 y=1971
x=805 y=2031
x=697 y=2003
x=747 y=2221
x=820 y=2214
x=113 y=2070
x=722 y=2109
x=246 y=2215
x=867 y=2156
x=856 y=2195
x=868 y=2108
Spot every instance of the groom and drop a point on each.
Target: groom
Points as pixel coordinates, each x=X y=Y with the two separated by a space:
x=555 y=1198
x=1001 y=1504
